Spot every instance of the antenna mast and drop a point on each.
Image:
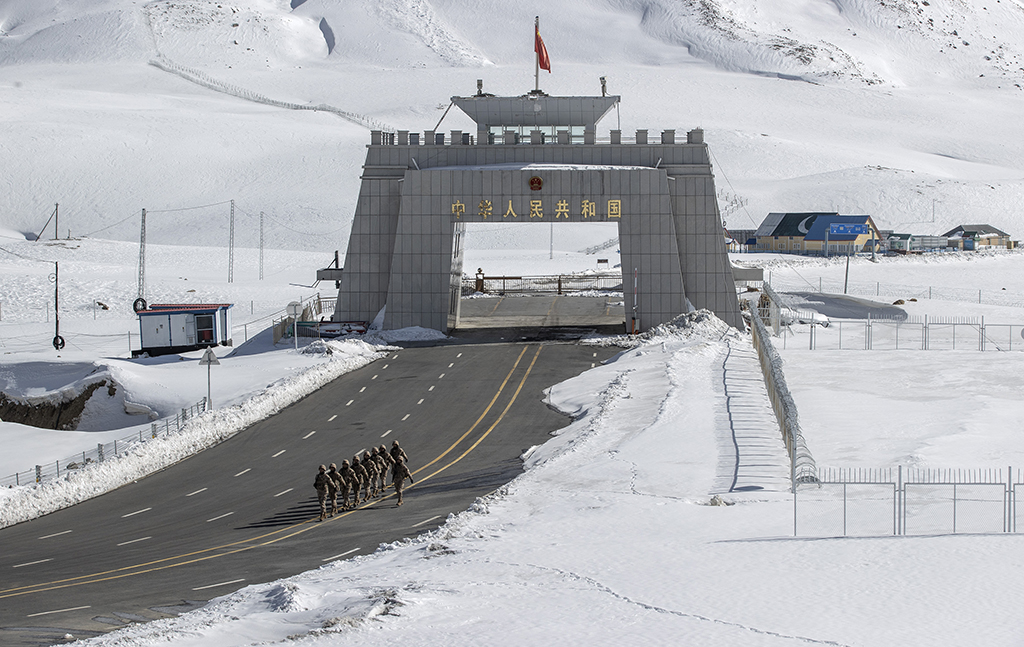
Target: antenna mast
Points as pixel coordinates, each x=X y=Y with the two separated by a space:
x=231 y=245
x=142 y=258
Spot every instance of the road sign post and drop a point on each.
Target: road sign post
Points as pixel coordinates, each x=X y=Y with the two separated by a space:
x=295 y=311
x=208 y=360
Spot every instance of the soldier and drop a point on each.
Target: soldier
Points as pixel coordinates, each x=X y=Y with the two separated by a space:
x=362 y=478
x=349 y=482
x=398 y=475
x=321 y=484
x=386 y=463
x=397 y=452
x=334 y=486
x=373 y=472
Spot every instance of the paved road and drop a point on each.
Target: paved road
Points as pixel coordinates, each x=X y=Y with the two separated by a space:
x=245 y=511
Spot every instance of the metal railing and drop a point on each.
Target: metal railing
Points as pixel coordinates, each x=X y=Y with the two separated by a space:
x=911 y=501
x=103 y=452
x=554 y=284
x=802 y=466
x=916 y=333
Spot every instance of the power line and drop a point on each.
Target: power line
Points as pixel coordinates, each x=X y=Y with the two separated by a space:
x=202 y=206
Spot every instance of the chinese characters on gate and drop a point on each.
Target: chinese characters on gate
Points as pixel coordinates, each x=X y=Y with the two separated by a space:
x=587 y=209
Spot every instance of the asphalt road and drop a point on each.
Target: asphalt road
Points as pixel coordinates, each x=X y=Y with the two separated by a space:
x=245 y=511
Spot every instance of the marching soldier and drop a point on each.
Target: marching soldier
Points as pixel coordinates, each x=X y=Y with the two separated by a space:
x=349 y=483
x=362 y=478
x=398 y=475
x=397 y=452
x=372 y=474
x=386 y=463
x=322 y=486
x=334 y=487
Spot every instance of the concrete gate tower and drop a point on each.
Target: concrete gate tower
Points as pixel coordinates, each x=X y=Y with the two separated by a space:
x=533 y=158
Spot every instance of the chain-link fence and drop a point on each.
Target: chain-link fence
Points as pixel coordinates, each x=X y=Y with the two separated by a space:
x=167 y=426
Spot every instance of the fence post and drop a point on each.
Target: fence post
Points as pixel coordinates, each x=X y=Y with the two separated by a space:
x=39 y=474
x=99 y=451
x=982 y=329
x=115 y=447
x=58 y=468
x=901 y=505
x=154 y=430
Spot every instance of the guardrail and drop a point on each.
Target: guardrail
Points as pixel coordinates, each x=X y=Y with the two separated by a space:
x=103 y=452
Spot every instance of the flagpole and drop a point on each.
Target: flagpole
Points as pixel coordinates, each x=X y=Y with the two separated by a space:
x=536 y=54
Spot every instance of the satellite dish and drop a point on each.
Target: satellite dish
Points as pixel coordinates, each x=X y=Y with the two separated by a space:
x=139 y=305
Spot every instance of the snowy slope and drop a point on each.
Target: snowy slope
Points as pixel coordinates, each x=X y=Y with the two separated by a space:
x=887 y=107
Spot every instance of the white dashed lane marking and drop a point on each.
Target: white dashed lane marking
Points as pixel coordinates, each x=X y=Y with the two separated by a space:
x=279 y=453
x=431 y=388
x=243 y=471
x=386 y=433
x=416 y=525
x=349 y=402
x=196 y=492
x=451 y=365
x=38 y=561
x=46 y=613
x=362 y=389
x=226 y=514
x=308 y=435
x=332 y=417
x=441 y=376
x=132 y=541
x=56 y=534
x=285 y=492
x=420 y=402
x=125 y=516
x=347 y=552
x=210 y=586
x=383 y=367
x=406 y=417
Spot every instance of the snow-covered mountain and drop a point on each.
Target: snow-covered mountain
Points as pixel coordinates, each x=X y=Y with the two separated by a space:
x=896 y=108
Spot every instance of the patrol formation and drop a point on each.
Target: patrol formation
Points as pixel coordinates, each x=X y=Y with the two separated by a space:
x=363 y=479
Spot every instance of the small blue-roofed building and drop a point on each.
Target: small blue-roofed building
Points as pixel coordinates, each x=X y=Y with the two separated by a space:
x=169 y=328
x=820 y=234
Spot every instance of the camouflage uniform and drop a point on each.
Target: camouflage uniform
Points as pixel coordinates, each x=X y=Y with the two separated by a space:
x=349 y=482
x=362 y=477
x=334 y=486
x=398 y=475
x=322 y=487
x=397 y=452
x=386 y=462
x=373 y=472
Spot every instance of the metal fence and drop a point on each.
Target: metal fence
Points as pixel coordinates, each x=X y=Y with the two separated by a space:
x=802 y=466
x=555 y=284
x=913 y=501
x=50 y=471
x=313 y=309
x=996 y=297
x=916 y=333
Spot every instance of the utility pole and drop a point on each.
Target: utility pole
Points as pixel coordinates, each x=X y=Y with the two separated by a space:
x=142 y=258
x=56 y=220
x=58 y=341
x=231 y=245
x=261 y=245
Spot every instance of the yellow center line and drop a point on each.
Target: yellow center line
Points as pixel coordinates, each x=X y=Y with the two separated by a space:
x=500 y=299
x=296 y=529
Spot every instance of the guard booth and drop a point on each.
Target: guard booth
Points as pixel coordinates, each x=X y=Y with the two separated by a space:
x=177 y=328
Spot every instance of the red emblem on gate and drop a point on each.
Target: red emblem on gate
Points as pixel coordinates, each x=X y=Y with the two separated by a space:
x=536 y=184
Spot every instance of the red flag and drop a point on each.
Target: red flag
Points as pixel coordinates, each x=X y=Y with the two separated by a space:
x=542 y=52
